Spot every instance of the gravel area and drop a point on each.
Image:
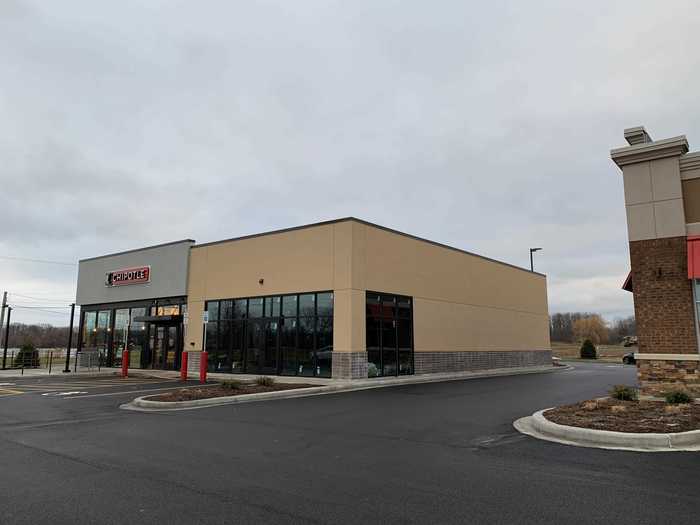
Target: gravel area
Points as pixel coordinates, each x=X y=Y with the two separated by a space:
x=628 y=416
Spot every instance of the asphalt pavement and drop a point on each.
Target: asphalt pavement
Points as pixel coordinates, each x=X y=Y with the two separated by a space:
x=423 y=453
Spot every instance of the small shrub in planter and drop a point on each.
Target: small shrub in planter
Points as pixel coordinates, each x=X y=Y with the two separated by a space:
x=264 y=381
x=372 y=370
x=588 y=350
x=27 y=357
x=624 y=393
x=676 y=397
x=231 y=384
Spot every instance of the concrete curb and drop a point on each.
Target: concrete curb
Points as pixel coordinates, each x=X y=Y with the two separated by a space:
x=144 y=405
x=540 y=427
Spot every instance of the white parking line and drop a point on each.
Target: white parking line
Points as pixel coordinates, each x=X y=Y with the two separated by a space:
x=62 y=393
x=131 y=392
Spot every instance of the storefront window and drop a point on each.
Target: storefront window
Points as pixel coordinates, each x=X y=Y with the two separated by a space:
x=272 y=306
x=103 y=329
x=389 y=333
x=212 y=308
x=89 y=329
x=291 y=335
x=324 y=304
x=137 y=338
x=168 y=310
x=289 y=306
x=119 y=337
x=240 y=308
x=307 y=304
x=255 y=307
x=225 y=310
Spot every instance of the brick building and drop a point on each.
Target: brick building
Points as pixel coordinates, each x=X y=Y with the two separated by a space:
x=662 y=200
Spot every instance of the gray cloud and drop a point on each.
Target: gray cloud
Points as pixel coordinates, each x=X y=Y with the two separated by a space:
x=484 y=126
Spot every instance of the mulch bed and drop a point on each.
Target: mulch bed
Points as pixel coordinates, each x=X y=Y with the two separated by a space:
x=190 y=394
x=628 y=416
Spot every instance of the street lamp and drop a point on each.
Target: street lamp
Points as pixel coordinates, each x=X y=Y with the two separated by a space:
x=533 y=250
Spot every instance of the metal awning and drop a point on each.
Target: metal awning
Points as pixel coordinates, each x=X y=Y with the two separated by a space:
x=163 y=319
x=627 y=285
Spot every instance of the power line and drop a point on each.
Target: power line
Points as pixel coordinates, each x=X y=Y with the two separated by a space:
x=41 y=310
x=35 y=305
x=57 y=299
x=20 y=305
x=43 y=261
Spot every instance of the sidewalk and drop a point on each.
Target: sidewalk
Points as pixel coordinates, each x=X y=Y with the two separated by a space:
x=362 y=383
x=315 y=381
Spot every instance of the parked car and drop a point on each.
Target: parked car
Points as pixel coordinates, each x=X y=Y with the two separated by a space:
x=629 y=340
x=629 y=359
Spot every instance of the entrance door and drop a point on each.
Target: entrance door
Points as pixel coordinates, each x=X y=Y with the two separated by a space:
x=165 y=346
x=262 y=347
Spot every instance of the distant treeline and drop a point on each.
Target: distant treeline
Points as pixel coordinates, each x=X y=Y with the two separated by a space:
x=566 y=327
x=40 y=335
x=571 y=327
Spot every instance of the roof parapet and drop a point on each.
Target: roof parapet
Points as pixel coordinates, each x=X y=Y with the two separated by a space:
x=642 y=148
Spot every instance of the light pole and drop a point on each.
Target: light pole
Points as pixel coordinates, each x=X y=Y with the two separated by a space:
x=70 y=339
x=533 y=250
x=7 y=336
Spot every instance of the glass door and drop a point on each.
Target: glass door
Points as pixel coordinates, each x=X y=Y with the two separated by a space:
x=270 y=351
x=157 y=342
x=171 y=346
x=254 y=353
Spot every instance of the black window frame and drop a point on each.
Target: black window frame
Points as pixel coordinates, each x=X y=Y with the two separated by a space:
x=396 y=316
x=280 y=318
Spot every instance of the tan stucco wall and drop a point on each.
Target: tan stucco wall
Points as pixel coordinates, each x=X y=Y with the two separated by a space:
x=309 y=259
x=691 y=200
x=461 y=302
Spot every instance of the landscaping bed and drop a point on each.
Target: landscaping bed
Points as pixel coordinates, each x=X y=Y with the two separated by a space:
x=628 y=416
x=207 y=392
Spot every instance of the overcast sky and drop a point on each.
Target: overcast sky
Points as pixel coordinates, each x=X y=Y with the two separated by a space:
x=483 y=125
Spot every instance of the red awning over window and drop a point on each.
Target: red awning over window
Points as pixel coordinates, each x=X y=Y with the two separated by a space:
x=694 y=257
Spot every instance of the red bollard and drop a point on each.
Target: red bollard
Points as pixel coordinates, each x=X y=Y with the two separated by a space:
x=203 y=368
x=125 y=363
x=183 y=367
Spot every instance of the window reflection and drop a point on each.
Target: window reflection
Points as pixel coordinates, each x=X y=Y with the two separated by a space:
x=389 y=334
x=290 y=334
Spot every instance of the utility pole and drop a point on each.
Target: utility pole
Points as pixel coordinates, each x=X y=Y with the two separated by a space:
x=7 y=337
x=70 y=339
x=2 y=312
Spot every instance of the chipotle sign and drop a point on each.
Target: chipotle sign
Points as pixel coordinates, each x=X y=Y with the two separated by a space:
x=138 y=275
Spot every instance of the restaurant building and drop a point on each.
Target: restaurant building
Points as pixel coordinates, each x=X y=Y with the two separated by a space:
x=662 y=200
x=344 y=299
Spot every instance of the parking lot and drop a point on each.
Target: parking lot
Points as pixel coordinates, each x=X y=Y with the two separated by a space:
x=426 y=453
x=81 y=386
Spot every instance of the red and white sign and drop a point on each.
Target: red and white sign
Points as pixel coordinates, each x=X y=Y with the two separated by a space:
x=138 y=275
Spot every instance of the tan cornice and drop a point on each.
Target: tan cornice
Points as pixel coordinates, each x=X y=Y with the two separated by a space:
x=691 y=161
x=659 y=149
